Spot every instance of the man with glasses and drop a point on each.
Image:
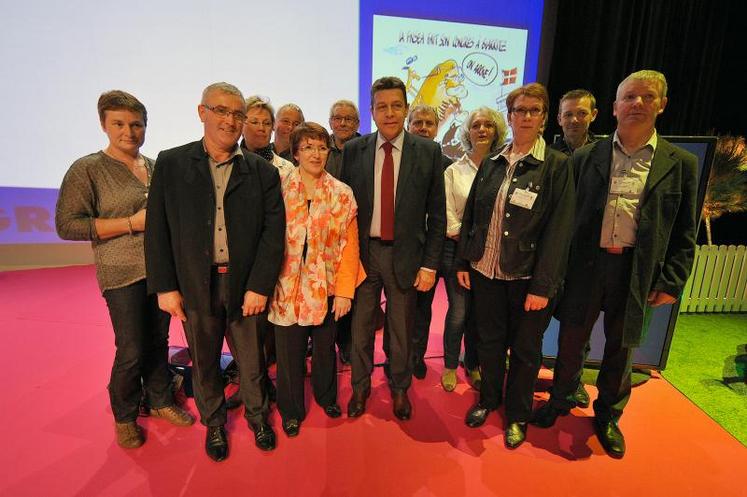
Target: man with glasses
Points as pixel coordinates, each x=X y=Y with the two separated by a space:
x=398 y=183
x=344 y=121
x=632 y=248
x=577 y=110
x=288 y=117
x=214 y=243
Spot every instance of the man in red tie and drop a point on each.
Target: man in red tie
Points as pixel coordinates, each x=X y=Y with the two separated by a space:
x=398 y=183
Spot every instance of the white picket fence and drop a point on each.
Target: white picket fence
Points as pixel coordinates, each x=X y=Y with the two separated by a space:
x=718 y=282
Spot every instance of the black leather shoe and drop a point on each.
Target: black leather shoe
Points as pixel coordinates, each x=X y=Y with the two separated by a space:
x=515 y=434
x=233 y=401
x=581 y=396
x=545 y=416
x=419 y=370
x=357 y=404
x=291 y=427
x=611 y=437
x=401 y=405
x=216 y=443
x=264 y=436
x=477 y=415
x=333 y=411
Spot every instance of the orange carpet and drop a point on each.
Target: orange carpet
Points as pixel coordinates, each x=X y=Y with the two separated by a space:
x=55 y=422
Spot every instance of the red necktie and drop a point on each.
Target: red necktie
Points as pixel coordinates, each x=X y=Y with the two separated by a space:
x=387 y=194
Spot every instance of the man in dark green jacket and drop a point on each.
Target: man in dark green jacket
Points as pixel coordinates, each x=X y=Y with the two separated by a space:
x=633 y=246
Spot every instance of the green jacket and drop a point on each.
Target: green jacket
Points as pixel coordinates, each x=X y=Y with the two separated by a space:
x=665 y=245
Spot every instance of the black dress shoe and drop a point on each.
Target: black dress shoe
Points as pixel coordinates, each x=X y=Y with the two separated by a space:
x=401 y=405
x=476 y=415
x=333 y=411
x=233 y=401
x=581 y=396
x=264 y=436
x=545 y=416
x=419 y=370
x=357 y=404
x=515 y=435
x=291 y=427
x=610 y=436
x=216 y=443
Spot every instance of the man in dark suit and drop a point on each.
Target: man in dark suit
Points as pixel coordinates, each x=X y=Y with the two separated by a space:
x=633 y=246
x=214 y=243
x=398 y=183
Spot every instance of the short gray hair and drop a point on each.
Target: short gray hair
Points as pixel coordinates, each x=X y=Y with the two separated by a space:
x=221 y=87
x=344 y=103
x=648 y=75
x=291 y=107
x=498 y=121
x=424 y=109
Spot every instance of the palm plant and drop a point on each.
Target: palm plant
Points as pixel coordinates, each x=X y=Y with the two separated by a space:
x=727 y=183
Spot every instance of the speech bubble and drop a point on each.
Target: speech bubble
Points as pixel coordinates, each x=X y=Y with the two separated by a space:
x=480 y=68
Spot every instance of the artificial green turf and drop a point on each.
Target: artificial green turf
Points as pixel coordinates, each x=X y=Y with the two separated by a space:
x=707 y=363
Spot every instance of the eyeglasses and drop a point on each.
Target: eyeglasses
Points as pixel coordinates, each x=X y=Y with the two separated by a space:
x=264 y=124
x=308 y=149
x=225 y=112
x=533 y=112
x=344 y=119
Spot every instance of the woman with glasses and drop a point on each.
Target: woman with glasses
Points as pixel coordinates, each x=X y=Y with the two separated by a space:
x=483 y=133
x=260 y=119
x=320 y=272
x=102 y=199
x=514 y=244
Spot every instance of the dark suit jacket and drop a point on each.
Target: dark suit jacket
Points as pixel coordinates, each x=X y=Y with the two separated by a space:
x=665 y=246
x=420 y=202
x=180 y=226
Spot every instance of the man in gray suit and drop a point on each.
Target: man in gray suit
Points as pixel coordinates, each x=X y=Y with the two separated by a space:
x=398 y=183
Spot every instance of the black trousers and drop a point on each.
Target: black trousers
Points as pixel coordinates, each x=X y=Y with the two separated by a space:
x=609 y=293
x=141 y=337
x=205 y=333
x=503 y=324
x=291 y=342
x=400 y=317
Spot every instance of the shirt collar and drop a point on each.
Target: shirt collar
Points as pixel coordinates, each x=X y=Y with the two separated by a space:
x=396 y=143
x=652 y=142
x=236 y=151
x=537 y=151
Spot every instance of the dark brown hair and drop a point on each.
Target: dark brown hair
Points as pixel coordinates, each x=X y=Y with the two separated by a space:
x=120 y=100
x=388 y=83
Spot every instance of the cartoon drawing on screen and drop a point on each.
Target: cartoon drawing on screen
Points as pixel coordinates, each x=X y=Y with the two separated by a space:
x=442 y=89
x=448 y=85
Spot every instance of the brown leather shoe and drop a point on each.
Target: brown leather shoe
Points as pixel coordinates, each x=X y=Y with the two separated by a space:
x=129 y=435
x=401 y=405
x=174 y=415
x=357 y=404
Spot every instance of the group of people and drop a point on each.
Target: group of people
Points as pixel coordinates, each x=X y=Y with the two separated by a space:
x=302 y=235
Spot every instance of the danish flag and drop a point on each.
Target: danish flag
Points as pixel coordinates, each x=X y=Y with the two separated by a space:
x=509 y=76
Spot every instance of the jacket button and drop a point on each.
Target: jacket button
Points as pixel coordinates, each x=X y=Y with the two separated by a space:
x=514 y=180
x=508 y=214
x=505 y=233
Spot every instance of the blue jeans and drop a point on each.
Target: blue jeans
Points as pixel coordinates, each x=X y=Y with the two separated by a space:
x=457 y=323
x=141 y=336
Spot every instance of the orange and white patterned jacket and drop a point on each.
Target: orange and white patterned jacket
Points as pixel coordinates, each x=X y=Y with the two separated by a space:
x=332 y=266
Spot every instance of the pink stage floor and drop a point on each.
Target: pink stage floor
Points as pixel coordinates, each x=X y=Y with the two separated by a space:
x=58 y=439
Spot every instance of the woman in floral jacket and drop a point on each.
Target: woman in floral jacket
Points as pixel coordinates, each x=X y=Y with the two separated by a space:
x=318 y=278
